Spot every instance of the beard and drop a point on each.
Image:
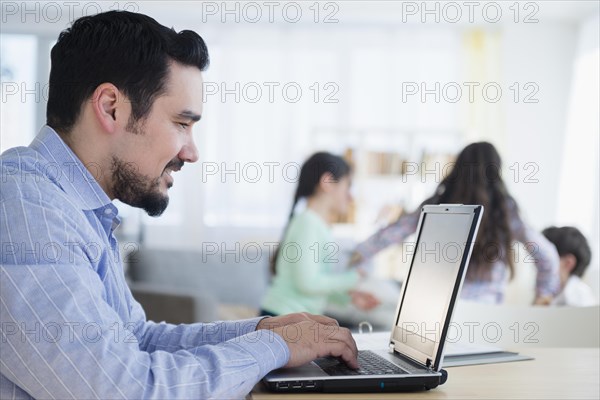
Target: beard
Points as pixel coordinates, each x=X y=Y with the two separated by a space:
x=138 y=190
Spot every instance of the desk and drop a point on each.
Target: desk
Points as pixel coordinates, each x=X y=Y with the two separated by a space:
x=555 y=373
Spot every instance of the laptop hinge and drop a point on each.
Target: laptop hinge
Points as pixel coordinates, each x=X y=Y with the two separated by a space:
x=428 y=364
x=391 y=347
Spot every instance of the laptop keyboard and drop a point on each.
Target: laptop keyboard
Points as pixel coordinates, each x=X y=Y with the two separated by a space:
x=369 y=363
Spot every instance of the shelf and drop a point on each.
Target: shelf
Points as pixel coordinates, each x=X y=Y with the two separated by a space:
x=373 y=150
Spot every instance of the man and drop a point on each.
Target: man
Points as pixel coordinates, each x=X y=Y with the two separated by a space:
x=124 y=94
x=575 y=255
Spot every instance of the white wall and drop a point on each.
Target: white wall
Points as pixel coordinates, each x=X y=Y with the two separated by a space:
x=542 y=53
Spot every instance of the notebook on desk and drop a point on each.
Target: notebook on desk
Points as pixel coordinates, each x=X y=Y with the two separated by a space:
x=455 y=354
x=411 y=358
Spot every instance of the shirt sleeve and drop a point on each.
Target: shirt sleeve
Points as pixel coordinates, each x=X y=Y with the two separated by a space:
x=394 y=233
x=540 y=251
x=61 y=338
x=340 y=298
x=153 y=336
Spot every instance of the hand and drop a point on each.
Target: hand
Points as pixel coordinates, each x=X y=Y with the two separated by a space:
x=542 y=301
x=308 y=339
x=363 y=300
x=289 y=319
x=362 y=273
x=355 y=259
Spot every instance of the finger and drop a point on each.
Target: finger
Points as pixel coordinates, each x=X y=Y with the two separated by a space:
x=342 y=335
x=340 y=350
x=350 y=358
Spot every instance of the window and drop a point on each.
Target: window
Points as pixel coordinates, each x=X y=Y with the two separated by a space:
x=326 y=95
x=578 y=193
x=20 y=92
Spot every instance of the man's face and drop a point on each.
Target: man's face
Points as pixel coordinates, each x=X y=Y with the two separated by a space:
x=143 y=160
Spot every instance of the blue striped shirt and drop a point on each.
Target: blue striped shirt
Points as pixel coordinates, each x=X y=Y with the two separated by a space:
x=69 y=325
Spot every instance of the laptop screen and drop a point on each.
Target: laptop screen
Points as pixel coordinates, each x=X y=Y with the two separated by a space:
x=435 y=273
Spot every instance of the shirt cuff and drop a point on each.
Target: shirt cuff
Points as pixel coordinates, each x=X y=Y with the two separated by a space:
x=268 y=349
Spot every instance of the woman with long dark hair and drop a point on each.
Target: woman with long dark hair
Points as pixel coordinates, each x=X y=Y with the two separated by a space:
x=476 y=179
x=303 y=266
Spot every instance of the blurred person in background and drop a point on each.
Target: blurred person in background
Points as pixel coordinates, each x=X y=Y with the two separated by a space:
x=476 y=179
x=304 y=266
x=575 y=255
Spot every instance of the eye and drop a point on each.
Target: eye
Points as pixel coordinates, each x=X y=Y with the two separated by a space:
x=183 y=125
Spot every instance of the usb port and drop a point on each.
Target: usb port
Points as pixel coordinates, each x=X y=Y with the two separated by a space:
x=310 y=385
x=283 y=385
x=297 y=385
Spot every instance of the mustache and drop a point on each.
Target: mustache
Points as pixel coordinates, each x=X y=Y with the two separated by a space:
x=175 y=165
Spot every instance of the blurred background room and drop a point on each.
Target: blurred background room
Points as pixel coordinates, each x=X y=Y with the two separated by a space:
x=397 y=88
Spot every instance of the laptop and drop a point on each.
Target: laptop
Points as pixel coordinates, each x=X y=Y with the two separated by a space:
x=412 y=357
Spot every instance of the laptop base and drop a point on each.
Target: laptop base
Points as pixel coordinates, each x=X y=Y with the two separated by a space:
x=362 y=385
x=425 y=307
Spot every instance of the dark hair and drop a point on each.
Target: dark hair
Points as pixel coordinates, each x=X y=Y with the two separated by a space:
x=310 y=175
x=131 y=51
x=569 y=240
x=476 y=179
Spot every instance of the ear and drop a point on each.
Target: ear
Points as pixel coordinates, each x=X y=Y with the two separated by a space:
x=326 y=181
x=569 y=261
x=109 y=107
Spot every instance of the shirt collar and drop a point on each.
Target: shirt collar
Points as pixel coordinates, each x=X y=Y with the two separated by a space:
x=69 y=172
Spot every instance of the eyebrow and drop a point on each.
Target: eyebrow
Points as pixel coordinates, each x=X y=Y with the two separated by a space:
x=189 y=115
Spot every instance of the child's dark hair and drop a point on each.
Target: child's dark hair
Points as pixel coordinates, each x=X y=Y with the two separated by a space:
x=475 y=179
x=569 y=240
x=311 y=173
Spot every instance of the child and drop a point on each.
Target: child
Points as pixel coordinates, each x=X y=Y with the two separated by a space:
x=575 y=255
x=304 y=277
x=475 y=179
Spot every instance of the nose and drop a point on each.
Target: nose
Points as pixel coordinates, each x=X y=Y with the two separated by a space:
x=189 y=151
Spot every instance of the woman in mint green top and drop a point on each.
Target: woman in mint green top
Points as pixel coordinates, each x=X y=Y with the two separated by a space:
x=304 y=275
